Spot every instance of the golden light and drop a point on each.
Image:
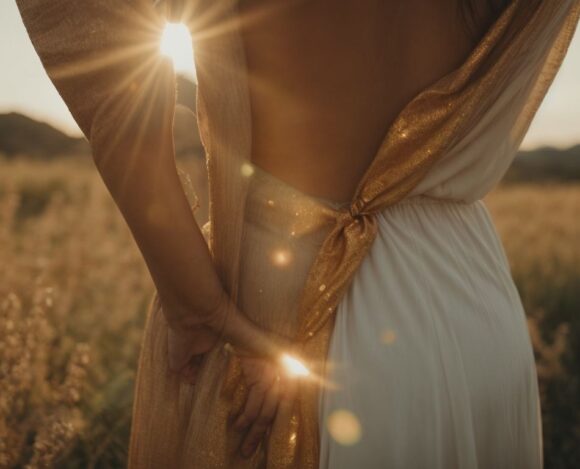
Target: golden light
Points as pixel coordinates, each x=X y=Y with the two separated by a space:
x=344 y=427
x=294 y=367
x=281 y=257
x=388 y=336
x=176 y=43
x=247 y=169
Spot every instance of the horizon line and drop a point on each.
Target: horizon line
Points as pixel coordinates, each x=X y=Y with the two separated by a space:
x=75 y=132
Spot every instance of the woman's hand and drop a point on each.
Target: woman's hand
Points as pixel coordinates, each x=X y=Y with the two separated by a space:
x=186 y=349
x=267 y=386
x=264 y=368
x=189 y=340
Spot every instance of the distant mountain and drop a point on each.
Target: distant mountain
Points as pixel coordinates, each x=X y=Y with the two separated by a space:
x=21 y=135
x=545 y=164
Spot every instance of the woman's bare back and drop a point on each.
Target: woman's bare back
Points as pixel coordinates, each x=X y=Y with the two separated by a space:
x=328 y=78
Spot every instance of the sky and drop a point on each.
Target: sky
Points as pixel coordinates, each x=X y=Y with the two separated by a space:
x=25 y=88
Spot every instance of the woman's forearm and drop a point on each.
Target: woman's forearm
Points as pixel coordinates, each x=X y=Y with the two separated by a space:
x=103 y=58
x=143 y=180
x=156 y=209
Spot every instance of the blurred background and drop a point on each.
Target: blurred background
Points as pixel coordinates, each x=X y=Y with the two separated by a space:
x=74 y=289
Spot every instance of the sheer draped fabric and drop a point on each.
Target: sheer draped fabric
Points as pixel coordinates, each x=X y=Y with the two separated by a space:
x=470 y=121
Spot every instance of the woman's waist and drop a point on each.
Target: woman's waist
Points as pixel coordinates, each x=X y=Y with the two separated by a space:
x=302 y=217
x=274 y=204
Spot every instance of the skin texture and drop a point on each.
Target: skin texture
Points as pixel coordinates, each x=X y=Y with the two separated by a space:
x=328 y=78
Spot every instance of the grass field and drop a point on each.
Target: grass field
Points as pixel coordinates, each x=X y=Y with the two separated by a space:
x=74 y=292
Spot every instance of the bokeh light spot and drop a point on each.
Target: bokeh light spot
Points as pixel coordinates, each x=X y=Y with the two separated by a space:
x=388 y=336
x=247 y=170
x=344 y=427
x=281 y=257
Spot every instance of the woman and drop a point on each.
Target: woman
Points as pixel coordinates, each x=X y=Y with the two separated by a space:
x=351 y=311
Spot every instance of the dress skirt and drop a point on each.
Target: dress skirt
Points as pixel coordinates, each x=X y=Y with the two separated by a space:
x=430 y=351
x=430 y=363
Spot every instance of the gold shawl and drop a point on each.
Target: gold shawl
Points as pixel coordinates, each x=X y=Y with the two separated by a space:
x=429 y=127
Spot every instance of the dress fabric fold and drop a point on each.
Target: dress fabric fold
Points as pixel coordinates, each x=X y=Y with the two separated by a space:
x=402 y=300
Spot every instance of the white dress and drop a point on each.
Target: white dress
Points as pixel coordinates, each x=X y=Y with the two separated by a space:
x=430 y=350
x=430 y=363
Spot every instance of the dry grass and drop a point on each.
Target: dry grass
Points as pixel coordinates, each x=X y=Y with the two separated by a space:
x=74 y=293
x=73 y=296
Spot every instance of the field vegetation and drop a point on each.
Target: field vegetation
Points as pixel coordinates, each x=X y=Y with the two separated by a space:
x=74 y=293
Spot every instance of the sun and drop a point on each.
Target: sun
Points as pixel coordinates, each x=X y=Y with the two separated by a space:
x=176 y=43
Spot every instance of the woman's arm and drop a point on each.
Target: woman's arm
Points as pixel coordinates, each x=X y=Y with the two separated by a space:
x=103 y=57
x=104 y=60
x=138 y=167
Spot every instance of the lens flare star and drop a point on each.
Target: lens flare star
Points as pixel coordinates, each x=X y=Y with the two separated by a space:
x=176 y=43
x=294 y=368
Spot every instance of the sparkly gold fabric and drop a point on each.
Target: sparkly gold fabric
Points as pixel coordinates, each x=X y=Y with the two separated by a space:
x=177 y=425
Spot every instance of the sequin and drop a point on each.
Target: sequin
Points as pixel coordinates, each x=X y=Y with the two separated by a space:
x=247 y=170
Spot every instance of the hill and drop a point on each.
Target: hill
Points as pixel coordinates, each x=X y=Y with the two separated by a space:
x=545 y=164
x=21 y=135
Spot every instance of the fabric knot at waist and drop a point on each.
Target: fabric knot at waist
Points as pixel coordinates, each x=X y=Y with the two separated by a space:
x=352 y=213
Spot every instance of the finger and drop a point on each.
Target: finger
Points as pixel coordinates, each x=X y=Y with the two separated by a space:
x=254 y=370
x=252 y=407
x=264 y=420
x=288 y=389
